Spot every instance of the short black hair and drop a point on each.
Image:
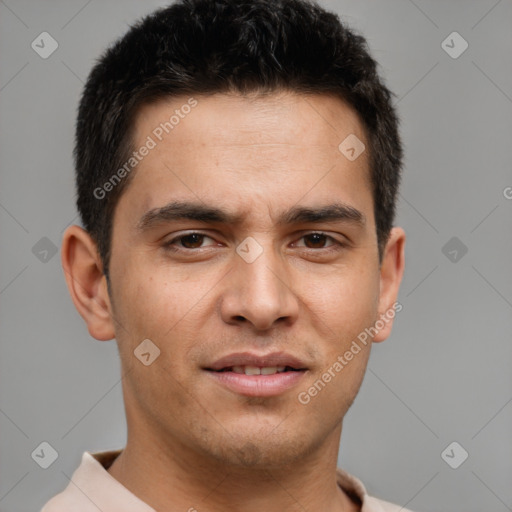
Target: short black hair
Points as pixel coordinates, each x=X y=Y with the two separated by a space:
x=223 y=46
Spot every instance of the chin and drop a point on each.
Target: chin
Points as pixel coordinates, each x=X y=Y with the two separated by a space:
x=262 y=449
x=259 y=455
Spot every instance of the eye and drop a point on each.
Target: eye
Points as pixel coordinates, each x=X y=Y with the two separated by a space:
x=317 y=241
x=186 y=242
x=193 y=242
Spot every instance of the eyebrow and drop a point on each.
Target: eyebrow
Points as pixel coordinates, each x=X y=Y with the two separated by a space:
x=183 y=210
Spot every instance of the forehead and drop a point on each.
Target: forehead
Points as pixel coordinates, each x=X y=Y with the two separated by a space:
x=222 y=119
x=251 y=146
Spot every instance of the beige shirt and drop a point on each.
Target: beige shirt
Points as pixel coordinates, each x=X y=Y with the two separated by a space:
x=92 y=488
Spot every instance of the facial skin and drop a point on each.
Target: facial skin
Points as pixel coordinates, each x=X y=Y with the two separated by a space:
x=191 y=441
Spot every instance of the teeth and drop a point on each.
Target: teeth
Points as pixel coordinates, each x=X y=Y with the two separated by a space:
x=256 y=370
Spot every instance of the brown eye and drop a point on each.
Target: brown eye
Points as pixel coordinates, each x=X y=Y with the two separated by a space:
x=188 y=243
x=317 y=240
x=192 y=241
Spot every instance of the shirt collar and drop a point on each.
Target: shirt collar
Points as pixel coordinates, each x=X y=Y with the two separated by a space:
x=107 y=493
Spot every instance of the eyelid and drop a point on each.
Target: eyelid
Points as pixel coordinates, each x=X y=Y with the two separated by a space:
x=177 y=238
x=322 y=233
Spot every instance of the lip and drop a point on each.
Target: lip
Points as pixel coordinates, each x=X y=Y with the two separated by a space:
x=258 y=385
x=252 y=359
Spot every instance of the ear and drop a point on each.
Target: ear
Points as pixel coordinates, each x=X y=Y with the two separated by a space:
x=391 y=272
x=86 y=282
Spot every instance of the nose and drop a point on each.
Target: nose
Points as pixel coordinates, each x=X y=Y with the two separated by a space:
x=259 y=292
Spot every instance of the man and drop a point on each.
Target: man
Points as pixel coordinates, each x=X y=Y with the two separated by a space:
x=237 y=171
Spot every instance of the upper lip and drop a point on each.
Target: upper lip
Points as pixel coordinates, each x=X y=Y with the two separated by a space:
x=251 y=359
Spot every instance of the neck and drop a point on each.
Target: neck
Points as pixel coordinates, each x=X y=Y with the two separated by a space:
x=174 y=478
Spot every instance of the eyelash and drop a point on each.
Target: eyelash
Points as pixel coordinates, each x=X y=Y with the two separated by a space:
x=169 y=246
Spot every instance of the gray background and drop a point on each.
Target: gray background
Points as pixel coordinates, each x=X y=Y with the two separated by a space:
x=443 y=376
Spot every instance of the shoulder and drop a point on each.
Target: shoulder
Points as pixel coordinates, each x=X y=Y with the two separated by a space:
x=355 y=488
x=69 y=499
x=374 y=504
x=88 y=486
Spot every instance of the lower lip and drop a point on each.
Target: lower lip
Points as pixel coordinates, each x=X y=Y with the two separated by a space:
x=258 y=385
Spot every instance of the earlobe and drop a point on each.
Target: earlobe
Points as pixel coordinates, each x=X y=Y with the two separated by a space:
x=391 y=272
x=86 y=282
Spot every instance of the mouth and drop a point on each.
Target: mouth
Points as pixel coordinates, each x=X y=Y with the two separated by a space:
x=257 y=370
x=253 y=375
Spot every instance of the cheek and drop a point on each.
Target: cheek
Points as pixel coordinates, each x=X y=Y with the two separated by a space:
x=150 y=306
x=344 y=302
x=162 y=304
x=150 y=298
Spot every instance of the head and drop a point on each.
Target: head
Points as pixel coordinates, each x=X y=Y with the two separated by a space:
x=236 y=121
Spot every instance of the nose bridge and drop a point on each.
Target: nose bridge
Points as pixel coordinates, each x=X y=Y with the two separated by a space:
x=258 y=290
x=263 y=274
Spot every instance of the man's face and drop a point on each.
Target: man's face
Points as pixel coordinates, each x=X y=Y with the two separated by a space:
x=303 y=299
